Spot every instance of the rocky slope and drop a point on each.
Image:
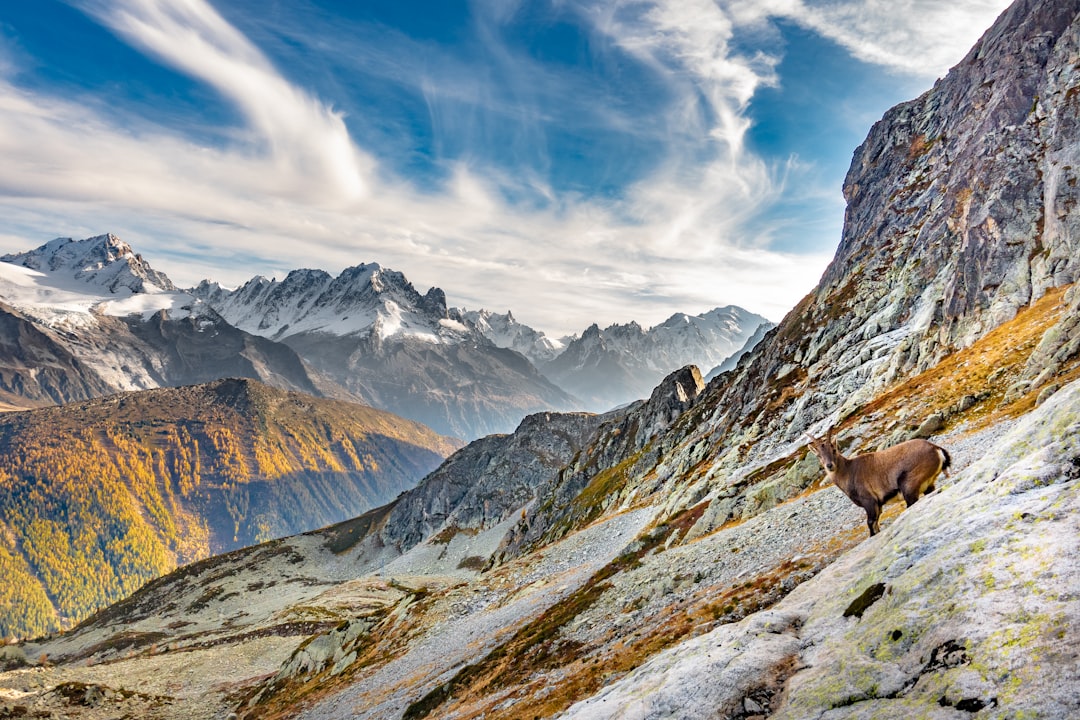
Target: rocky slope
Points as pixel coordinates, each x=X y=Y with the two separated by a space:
x=686 y=561
x=623 y=363
x=935 y=618
x=369 y=331
x=85 y=318
x=951 y=229
x=96 y=498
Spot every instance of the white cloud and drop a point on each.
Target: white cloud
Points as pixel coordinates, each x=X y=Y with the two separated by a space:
x=294 y=190
x=305 y=140
x=923 y=37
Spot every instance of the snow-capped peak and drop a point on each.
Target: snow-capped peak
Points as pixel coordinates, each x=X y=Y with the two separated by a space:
x=65 y=283
x=506 y=332
x=364 y=299
x=104 y=261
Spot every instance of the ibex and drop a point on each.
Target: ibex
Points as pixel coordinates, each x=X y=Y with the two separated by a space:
x=871 y=480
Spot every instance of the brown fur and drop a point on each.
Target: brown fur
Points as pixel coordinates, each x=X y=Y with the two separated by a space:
x=871 y=480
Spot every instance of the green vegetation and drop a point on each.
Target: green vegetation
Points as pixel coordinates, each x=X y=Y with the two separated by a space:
x=98 y=498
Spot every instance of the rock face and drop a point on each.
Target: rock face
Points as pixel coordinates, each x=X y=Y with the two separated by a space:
x=978 y=178
x=490 y=480
x=961 y=212
x=370 y=332
x=600 y=478
x=36 y=368
x=623 y=363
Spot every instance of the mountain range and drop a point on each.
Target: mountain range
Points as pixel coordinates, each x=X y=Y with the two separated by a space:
x=680 y=556
x=621 y=363
x=85 y=318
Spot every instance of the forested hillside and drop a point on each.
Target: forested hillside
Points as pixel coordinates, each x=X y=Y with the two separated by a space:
x=97 y=498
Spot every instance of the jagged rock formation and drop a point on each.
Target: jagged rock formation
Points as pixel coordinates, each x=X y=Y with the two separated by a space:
x=490 y=480
x=369 y=331
x=622 y=363
x=520 y=486
x=594 y=480
x=96 y=498
x=104 y=261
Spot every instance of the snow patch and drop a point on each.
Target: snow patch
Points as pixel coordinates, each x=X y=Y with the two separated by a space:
x=67 y=303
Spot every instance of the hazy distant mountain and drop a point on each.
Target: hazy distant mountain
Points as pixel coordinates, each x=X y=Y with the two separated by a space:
x=369 y=331
x=101 y=496
x=506 y=332
x=621 y=363
x=83 y=318
x=733 y=360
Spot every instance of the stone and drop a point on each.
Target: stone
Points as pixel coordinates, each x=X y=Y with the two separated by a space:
x=1045 y=393
x=935 y=423
x=966 y=403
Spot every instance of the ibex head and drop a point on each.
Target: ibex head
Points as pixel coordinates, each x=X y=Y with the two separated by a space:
x=825 y=449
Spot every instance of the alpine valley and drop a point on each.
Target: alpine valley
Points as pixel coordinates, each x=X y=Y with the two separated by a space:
x=678 y=555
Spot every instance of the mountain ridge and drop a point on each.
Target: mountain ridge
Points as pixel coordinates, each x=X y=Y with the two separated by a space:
x=624 y=362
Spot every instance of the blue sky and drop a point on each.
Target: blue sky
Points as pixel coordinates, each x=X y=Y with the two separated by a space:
x=571 y=160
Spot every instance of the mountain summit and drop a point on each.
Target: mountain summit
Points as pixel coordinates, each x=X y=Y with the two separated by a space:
x=105 y=261
x=85 y=318
x=369 y=331
x=362 y=300
x=622 y=363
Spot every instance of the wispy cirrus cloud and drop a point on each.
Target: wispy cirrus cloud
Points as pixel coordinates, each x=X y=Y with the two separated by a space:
x=303 y=137
x=688 y=228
